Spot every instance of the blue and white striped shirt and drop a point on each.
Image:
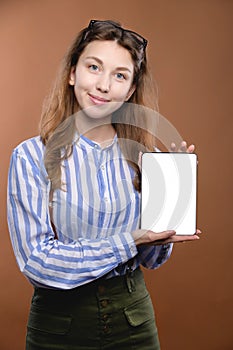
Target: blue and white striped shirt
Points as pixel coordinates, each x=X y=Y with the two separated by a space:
x=94 y=214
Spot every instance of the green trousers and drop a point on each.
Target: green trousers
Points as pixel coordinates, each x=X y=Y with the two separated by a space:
x=107 y=314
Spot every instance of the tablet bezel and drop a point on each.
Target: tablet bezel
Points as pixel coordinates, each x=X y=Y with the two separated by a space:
x=180 y=229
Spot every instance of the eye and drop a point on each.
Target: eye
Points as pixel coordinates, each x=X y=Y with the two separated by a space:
x=120 y=76
x=93 y=67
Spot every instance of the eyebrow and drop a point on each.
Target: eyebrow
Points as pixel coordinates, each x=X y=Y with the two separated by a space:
x=101 y=62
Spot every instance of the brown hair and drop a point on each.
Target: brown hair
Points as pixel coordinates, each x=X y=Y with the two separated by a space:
x=57 y=126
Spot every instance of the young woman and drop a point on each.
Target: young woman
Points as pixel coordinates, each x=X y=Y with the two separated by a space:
x=74 y=201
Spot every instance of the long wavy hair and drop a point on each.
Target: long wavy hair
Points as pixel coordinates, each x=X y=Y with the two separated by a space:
x=57 y=126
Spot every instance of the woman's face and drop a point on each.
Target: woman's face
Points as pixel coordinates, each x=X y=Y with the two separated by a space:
x=103 y=78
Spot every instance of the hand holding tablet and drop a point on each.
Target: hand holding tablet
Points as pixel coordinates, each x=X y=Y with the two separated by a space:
x=169 y=194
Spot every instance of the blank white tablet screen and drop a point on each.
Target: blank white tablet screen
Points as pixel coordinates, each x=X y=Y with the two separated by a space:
x=169 y=192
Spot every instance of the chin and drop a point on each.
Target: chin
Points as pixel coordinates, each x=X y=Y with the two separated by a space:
x=104 y=110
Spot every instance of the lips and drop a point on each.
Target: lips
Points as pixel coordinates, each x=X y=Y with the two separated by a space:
x=97 y=100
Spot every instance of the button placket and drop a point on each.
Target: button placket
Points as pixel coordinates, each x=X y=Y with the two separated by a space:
x=103 y=175
x=104 y=309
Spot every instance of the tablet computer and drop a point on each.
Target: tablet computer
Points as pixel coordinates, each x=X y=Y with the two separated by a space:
x=169 y=192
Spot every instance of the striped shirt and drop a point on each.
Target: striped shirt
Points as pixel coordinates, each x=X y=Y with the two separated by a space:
x=94 y=215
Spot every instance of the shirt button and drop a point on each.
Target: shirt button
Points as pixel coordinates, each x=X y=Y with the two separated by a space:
x=106 y=199
x=102 y=167
x=104 y=303
x=106 y=329
x=105 y=317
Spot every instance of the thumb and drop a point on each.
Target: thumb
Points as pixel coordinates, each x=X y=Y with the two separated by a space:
x=163 y=235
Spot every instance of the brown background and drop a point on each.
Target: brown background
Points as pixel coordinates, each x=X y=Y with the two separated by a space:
x=190 y=50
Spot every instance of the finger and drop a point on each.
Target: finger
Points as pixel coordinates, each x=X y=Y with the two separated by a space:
x=184 y=238
x=191 y=149
x=183 y=146
x=158 y=236
x=173 y=147
x=140 y=160
x=179 y=239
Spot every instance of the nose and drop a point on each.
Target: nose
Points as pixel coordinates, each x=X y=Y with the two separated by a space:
x=103 y=83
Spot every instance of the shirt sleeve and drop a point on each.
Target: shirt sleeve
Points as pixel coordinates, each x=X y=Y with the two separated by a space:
x=153 y=257
x=43 y=259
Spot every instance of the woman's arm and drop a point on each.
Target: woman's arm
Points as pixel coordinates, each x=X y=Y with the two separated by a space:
x=42 y=258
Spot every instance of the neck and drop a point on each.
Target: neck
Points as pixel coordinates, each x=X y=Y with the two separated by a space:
x=101 y=134
x=98 y=130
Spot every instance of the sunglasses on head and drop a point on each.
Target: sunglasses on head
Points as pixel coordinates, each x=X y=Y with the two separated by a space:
x=94 y=23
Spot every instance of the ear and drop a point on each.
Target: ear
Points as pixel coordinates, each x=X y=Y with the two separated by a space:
x=130 y=93
x=72 y=76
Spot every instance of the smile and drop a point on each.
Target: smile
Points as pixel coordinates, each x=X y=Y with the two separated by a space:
x=98 y=100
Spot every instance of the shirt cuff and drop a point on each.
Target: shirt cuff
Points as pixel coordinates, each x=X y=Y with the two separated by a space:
x=123 y=246
x=165 y=253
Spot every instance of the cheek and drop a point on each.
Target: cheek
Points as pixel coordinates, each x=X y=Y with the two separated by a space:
x=81 y=79
x=79 y=82
x=78 y=93
x=121 y=93
x=80 y=86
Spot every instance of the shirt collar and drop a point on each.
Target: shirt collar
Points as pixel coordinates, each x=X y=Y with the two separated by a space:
x=82 y=140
